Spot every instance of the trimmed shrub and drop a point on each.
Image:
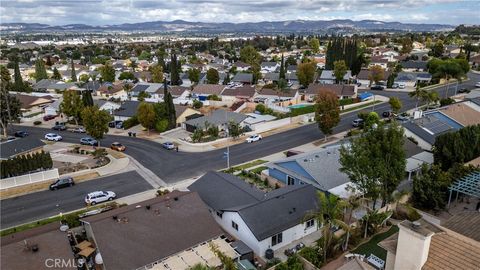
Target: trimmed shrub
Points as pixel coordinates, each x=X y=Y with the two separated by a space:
x=197 y=104
x=36 y=123
x=132 y=121
x=161 y=125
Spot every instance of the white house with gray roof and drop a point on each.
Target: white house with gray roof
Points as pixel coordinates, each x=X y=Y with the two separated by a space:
x=218 y=118
x=261 y=220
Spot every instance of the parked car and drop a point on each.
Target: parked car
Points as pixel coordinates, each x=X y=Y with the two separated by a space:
x=113 y=124
x=62 y=182
x=254 y=138
x=377 y=87
x=117 y=146
x=88 y=141
x=79 y=130
x=477 y=84
x=463 y=90
x=95 y=197
x=21 y=134
x=401 y=85
x=59 y=127
x=119 y=125
x=168 y=145
x=49 y=117
x=395 y=85
x=53 y=137
x=357 y=122
x=387 y=113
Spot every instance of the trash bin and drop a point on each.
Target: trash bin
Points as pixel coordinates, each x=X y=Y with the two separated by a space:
x=129 y=134
x=134 y=134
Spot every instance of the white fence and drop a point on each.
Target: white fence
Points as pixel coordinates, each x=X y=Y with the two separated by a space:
x=29 y=179
x=261 y=127
x=277 y=108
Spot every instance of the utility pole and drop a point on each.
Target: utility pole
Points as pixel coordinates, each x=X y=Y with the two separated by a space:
x=228 y=143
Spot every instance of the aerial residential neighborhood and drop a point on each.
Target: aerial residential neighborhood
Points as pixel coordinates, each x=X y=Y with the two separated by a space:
x=251 y=135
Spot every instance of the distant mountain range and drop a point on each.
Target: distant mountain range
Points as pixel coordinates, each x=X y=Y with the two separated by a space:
x=303 y=26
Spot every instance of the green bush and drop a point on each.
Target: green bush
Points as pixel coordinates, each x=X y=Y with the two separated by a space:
x=346 y=101
x=197 y=104
x=260 y=108
x=446 y=101
x=293 y=263
x=130 y=122
x=313 y=255
x=214 y=97
x=161 y=125
x=302 y=110
x=36 y=123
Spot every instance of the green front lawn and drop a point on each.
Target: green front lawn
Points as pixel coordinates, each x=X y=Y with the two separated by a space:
x=372 y=245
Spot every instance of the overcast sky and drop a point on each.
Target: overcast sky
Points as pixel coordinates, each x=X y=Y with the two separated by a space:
x=102 y=12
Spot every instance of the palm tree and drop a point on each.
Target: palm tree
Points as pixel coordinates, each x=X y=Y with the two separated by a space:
x=329 y=215
x=353 y=202
x=418 y=94
x=431 y=96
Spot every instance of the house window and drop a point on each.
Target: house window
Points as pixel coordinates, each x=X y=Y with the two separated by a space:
x=310 y=223
x=219 y=214
x=234 y=225
x=277 y=239
x=290 y=180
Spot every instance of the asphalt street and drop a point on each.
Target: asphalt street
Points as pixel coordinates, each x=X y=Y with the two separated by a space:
x=48 y=203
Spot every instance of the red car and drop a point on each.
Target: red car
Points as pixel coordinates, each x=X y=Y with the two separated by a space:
x=49 y=117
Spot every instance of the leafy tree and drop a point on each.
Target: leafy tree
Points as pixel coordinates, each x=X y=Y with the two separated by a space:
x=407 y=45
x=457 y=147
x=327 y=112
x=194 y=75
x=157 y=73
x=144 y=56
x=146 y=115
x=391 y=80
x=371 y=120
x=197 y=104
x=87 y=98
x=451 y=69
x=306 y=73
x=96 y=122
x=72 y=105
x=73 y=74
x=108 y=73
x=291 y=61
x=282 y=69
x=84 y=78
x=213 y=76
x=376 y=74
x=329 y=216
x=395 y=104
x=430 y=188
x=9 y=104
x=249 y=55
x=438 y=49
x=18 y=84
x=234 y=130
x=339 y=70
x=56 y=75
x=375 y=161
x=314 y=45
x=127 y=76
x=293 y=263
x=143 y=95
x=40 y=71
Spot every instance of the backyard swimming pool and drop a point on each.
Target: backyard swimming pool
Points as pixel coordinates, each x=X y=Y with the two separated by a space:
x=296 y=106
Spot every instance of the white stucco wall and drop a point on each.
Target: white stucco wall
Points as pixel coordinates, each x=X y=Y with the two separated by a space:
x=412 y=249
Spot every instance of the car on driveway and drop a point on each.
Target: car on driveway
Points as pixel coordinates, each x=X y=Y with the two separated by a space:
x=49 y=117
x=463 y=90
x=21 y=134
x=79 y=130
x=113 y=124
x=62 y=182
x=53 y=137
x=88 y=141
x=477 y=84
x=95 y=197
x=357 y=122
x=59 y=127
x=168 y=145
x=117 y=146
x=377 y=87
x=254 y=138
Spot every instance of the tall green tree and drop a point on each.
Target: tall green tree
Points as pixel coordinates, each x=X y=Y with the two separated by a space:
x=96 y=122
x=376 y=74
x=9 y=104
x=174 y=74
x=430 y=188
x=418 y=94
x=170 y=107
x=395 y=104
x=457 y=147
x=18 y=84
x=314 y=45
x=157 y=73
x=327 y=113
x=249 y=55
x=72 y=105
x=107 y=72
x=375 y=161
x=339 y=70
x=56 y=75
x=74 y=74
x=438 y=49
x=212 y=76
x=194 y=75
x=282 y=69
x=146 y=115
x=40 y=71
x=306 y=73
x=87 y=98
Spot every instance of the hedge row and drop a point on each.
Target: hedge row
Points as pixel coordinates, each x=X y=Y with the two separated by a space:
x=24 y=164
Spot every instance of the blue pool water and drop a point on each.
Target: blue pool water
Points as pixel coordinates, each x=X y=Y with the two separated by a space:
x=298 y=106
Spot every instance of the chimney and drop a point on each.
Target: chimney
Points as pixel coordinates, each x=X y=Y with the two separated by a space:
x=413 y=245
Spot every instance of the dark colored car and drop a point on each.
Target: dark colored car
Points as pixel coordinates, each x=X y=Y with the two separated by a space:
x=59 y=127
x=387 y=113
x=49 y=117
x=62 y=182
x=21 y=134
x=114 y=124
x=463 y=90
x=377 y=87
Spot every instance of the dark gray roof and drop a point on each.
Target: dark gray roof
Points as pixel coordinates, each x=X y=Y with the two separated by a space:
x=264 y=213
x=44 y=84
x=272 y=76
x=19 y=146
x=243 y=77
x=292 y=67
x=128 y=108
x=222 y=191
x=93 y=85
x=241 y=247
x=420 y=132
x=414 y=64
x=139 y=88
x=217 y=117
x=268 y=64
x=283 y=209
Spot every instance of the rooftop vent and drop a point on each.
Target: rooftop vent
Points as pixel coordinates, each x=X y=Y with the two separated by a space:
x=175 y=199
x=416 y=225
x=34 y=248
x=317 y=156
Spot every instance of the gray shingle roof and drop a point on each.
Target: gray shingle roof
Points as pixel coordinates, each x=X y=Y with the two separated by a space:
x=414 y=64
x=128 y=109
x=19 y=146
x=217 y=117
x=243 y=77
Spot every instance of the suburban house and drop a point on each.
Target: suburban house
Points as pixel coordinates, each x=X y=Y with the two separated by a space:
x=183 y=112
x=277 y=95
x=245 y=92
x=17 y=147
x=29 y=102
x=108 y=90
x=363 y=77
x=218 y=118
x=241 y=66
x=39 y=248
x=44 y=85
x=105 y=105
x=291 y=69
x=414 y=66
x=53 y=108
x=341 y=90
x=173 y=231
x=422 y=245
x=126 y=110
x=379 y=61
x=245 y=78
x=263 y=221
x=411 y=79
x=202 y=91
x=327 y=77
x=271 y=77
x=439 y=121
x=150 y=88
x=267 y=67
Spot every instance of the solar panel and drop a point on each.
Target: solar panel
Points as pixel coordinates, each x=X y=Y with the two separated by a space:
x=436 y=126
